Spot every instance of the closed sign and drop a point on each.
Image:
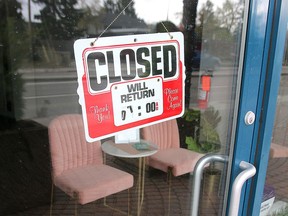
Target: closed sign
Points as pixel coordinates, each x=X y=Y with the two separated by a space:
x=129 y=81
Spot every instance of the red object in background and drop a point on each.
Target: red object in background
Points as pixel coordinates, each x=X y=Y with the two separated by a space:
x=204 y=91
x=206 y=82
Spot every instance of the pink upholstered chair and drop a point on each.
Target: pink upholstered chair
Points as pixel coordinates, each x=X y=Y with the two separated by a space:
x=278 y=151
x=77 y=166
x=170 y=158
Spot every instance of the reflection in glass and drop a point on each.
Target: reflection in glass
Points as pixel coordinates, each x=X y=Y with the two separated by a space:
x=275 y=191
x=38 y=75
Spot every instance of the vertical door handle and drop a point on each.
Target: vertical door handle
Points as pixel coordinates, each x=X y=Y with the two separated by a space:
x=248 y=171
x=198 y=172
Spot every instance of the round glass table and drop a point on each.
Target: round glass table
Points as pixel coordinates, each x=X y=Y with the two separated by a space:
x=140 y=150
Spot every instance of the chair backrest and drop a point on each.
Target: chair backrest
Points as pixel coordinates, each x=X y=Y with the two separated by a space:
x=164 y=134
x=68 y=145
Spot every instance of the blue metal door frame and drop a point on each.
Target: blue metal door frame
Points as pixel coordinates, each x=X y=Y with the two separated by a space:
x=270 y=82
x=264 y=46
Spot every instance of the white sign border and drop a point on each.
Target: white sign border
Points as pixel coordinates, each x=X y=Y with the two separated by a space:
x=81 y=45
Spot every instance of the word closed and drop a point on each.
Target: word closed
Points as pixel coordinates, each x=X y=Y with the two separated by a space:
x=111 y=66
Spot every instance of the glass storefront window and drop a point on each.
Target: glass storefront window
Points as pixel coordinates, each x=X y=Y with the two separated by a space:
x=275 y=191
x=38 y=82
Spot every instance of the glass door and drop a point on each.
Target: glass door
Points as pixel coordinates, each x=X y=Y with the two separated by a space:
x=224 y=46
x=267 y=194
x=213 y=91
x=275 y=187
x=242 y=134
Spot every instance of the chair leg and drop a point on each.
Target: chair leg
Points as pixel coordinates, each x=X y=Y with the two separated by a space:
x=75 y=197
x=118 y=210
x=76 y=210
x=51 y=198
x=169 y=176
x=128 y=210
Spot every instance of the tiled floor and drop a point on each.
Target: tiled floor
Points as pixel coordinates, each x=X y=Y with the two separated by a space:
x=156 y=199
x=277 y=177
x=156 y=195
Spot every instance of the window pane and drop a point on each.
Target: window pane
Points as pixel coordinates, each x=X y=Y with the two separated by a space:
x=275 y=191
x=38 y=83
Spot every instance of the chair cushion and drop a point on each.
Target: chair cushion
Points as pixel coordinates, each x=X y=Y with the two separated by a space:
x=180 y=160
x=93 y=182
x=278 y=151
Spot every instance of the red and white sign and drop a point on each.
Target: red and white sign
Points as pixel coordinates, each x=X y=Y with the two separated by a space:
x=129 y=81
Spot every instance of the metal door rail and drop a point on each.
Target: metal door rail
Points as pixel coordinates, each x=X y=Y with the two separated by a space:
x=248 y=171
x=198 y=172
